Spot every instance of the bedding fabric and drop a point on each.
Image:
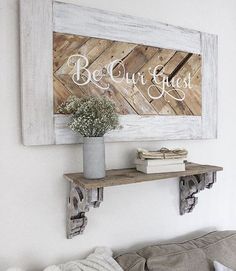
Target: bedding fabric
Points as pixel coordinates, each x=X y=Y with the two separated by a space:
x=100 y=260
x=194 y=255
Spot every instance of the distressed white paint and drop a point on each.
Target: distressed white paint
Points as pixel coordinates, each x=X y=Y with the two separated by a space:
x=209 y=85
x=36 y=72
x=79 y=20
x=74 y=19
x=137 y=128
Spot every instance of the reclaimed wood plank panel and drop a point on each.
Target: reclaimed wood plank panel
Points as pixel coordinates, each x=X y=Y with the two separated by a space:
x=192 y=96
x=134 y=97
x=173 y=64
x=122 y=106
x=64 y=46
x=75 y=45
x=170 y=68
x=129 y=176
x=136 y=59
x=36 y=72
x=120 y=27
x=61 y=93
x=192 y=64
x=118 y=50
x=92 y=48
x=68 y=84
x=161 y=57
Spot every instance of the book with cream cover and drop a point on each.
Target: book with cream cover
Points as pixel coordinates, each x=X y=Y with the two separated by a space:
x=157 y=162
x=161 y=168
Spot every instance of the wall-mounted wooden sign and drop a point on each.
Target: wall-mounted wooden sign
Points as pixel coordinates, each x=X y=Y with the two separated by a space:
x=162 y=78
x=140 y=79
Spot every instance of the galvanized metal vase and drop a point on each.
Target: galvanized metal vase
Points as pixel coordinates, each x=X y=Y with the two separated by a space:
x=94 y=158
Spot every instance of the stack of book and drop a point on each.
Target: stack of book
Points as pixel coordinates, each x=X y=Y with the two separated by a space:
x=163 y=160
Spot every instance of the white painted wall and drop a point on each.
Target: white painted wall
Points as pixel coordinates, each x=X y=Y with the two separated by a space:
x=33 y=192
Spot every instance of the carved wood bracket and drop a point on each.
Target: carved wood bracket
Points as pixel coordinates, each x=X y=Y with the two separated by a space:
x=190 y=186
x=80 y=200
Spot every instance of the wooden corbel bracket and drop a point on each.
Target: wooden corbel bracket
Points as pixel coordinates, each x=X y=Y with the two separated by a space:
x=86 y=193
x=80 y=200
x=190 y=186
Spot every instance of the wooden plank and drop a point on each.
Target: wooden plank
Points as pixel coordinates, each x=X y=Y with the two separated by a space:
x=63 y=134
x=174 y=62
x=161 y=57
x=168 y=70
x=61 y=93
x=136 y=59
x=138 y=128
x=129 y=176
x=197 y=93
x=209 y=85
x=134 y=97
x=66 y=81
x=92 y=48
x=64 y=46
x=74 y=19
x=36 y=72
x=190 y=103
x=122 y=106
x=193 y=95
x=118 y=50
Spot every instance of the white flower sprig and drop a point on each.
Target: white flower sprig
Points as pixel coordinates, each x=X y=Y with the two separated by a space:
x=91 y=116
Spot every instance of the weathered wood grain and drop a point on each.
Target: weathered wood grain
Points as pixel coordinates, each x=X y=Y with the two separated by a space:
x=170 y=70
x=129 y=176
x=137 y=60
x=36 y=72
x=192 y=100
x=122 y=106
x=138 y=128
x=161 y=57
x=78 y=20
x=61 y=93
x=118 y=50
x=193 y=96
x=134 y=97
x=64 y=46
x=209 y=85
x=173 y=64
x=92 y=48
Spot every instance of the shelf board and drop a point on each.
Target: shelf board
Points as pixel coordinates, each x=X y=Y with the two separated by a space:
x=128 y=176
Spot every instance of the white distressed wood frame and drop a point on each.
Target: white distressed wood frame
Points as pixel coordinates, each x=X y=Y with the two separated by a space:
x=38 y=21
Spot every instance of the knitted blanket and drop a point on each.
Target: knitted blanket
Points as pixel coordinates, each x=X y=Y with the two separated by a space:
x=100 y=260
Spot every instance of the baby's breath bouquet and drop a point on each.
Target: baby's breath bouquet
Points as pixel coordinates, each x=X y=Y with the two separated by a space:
x=91 y=116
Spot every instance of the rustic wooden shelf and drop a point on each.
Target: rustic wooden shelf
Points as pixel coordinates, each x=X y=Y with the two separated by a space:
x=128 y=176
x=85 y=193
